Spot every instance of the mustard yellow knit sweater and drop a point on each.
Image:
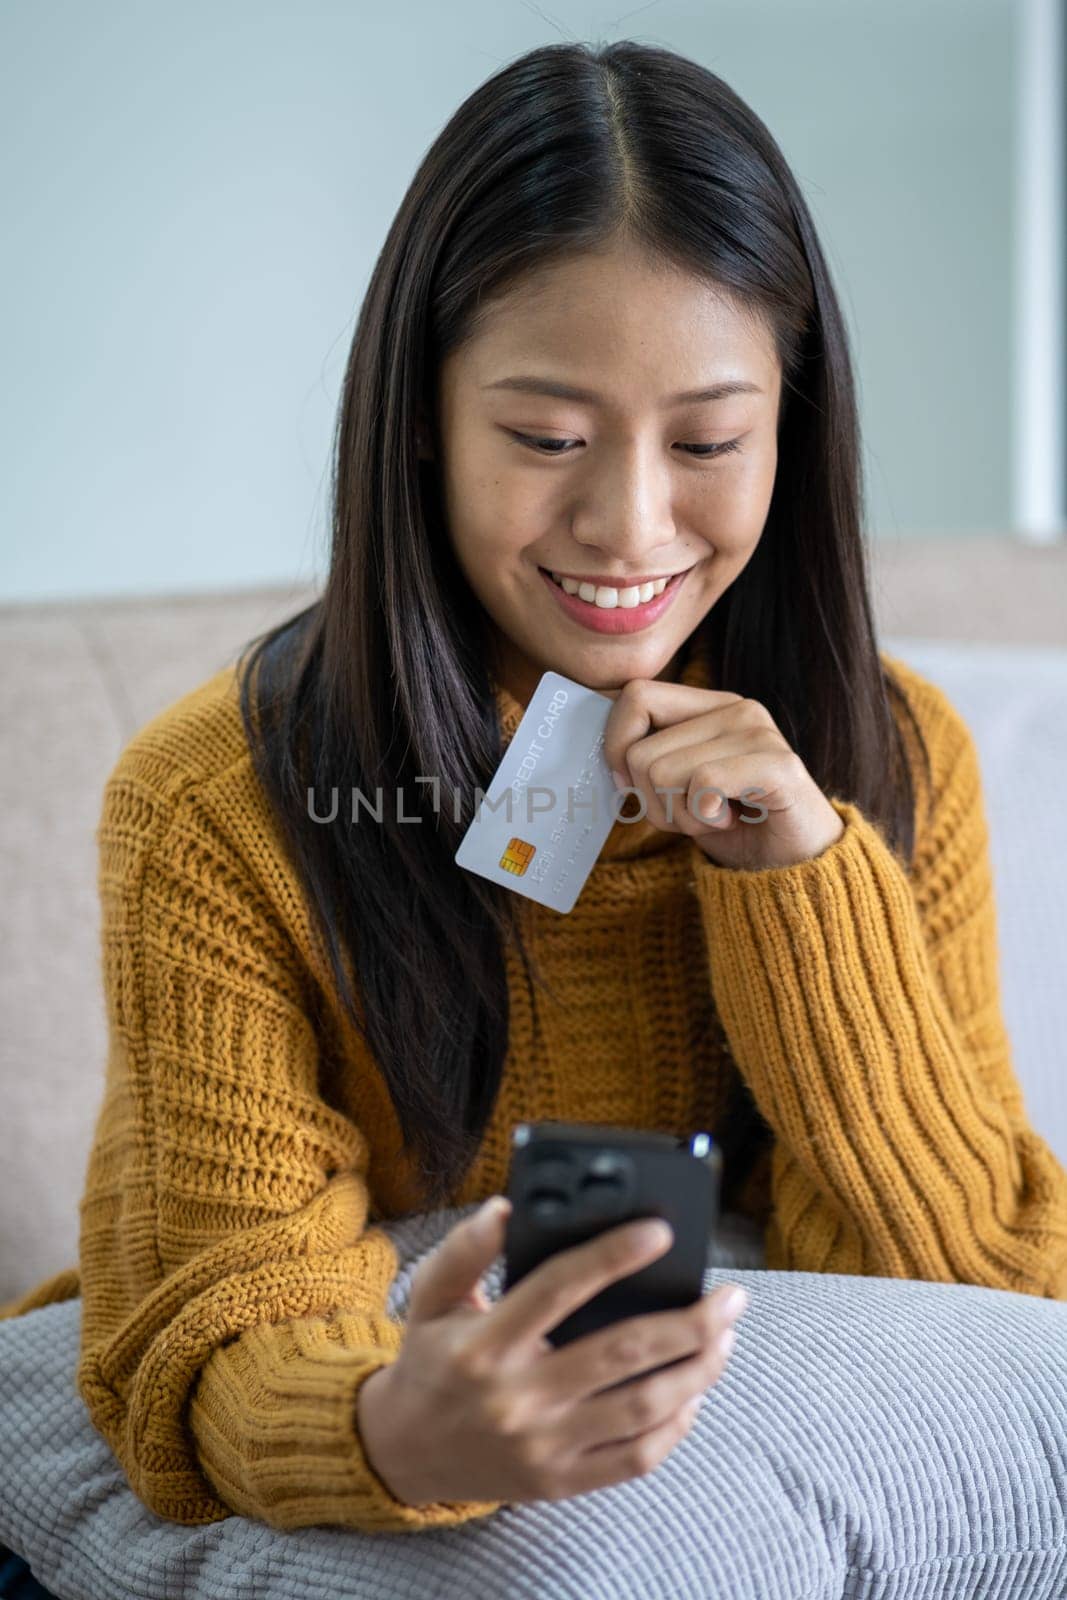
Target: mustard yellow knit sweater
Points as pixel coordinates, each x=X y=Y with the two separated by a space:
x=233 y=1281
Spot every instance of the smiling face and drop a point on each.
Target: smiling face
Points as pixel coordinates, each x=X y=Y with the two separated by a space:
x=624 y=484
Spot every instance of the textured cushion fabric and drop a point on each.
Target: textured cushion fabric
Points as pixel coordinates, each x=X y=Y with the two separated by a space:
x=870 y=1438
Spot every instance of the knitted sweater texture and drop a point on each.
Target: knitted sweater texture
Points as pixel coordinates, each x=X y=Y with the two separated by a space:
x=233 y=1279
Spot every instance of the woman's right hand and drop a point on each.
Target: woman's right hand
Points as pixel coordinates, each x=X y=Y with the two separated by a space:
x=480 y=1406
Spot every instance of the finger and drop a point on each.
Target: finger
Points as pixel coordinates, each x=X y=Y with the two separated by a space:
x=750 y=788
x=586 y=1366
x=771 y=779
x=531 y=1308
x=624 y=1414
x=685 y=776
x=718 y=811
x=618 y=1463
x=645 y=705
x=660 y=766
x=693 y=731
x=450 y=1275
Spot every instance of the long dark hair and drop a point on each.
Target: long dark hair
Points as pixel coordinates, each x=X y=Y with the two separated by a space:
x=384 y=679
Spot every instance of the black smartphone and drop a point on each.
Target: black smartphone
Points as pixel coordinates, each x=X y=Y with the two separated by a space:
x=569 y=1181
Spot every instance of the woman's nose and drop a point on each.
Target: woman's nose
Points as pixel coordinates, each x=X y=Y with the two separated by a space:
x=628 y=511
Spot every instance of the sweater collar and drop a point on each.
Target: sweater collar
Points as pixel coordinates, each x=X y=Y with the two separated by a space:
x=626 y=839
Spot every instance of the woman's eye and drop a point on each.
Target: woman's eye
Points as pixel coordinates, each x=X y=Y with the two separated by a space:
x=544 y=445
x=713 y=449
x=558 y=447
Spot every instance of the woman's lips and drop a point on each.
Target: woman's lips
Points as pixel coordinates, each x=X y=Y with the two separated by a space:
x=615 y=619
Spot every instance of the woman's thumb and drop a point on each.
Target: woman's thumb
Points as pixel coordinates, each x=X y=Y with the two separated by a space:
x=449 y=1277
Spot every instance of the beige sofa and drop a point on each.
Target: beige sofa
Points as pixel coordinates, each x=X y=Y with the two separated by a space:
x=79 y=679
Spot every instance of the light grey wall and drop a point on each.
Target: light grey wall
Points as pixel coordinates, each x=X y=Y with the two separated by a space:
x=194 y=196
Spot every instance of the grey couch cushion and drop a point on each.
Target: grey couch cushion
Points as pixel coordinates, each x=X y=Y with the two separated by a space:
x=870 y=1439
x=76 y=682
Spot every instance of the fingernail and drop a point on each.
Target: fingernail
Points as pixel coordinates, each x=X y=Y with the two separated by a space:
x=621 y=780
x=726 y=1341
x=734 y=1303
x=493 y=1208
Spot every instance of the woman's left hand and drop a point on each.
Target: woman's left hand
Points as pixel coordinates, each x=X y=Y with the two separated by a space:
x=676 y=737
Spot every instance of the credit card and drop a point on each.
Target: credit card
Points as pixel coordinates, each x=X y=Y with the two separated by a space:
x=552 y=801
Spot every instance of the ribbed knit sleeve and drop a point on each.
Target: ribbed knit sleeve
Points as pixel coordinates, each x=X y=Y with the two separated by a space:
x=233 y=1294
x=861 y=1002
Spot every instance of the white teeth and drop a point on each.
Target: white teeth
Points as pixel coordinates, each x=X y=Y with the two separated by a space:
x=606 y=597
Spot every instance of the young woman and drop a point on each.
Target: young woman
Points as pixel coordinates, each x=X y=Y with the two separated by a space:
x=600 y=350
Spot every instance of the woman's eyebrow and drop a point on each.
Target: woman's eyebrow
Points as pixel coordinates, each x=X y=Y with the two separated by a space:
x=567 y=391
